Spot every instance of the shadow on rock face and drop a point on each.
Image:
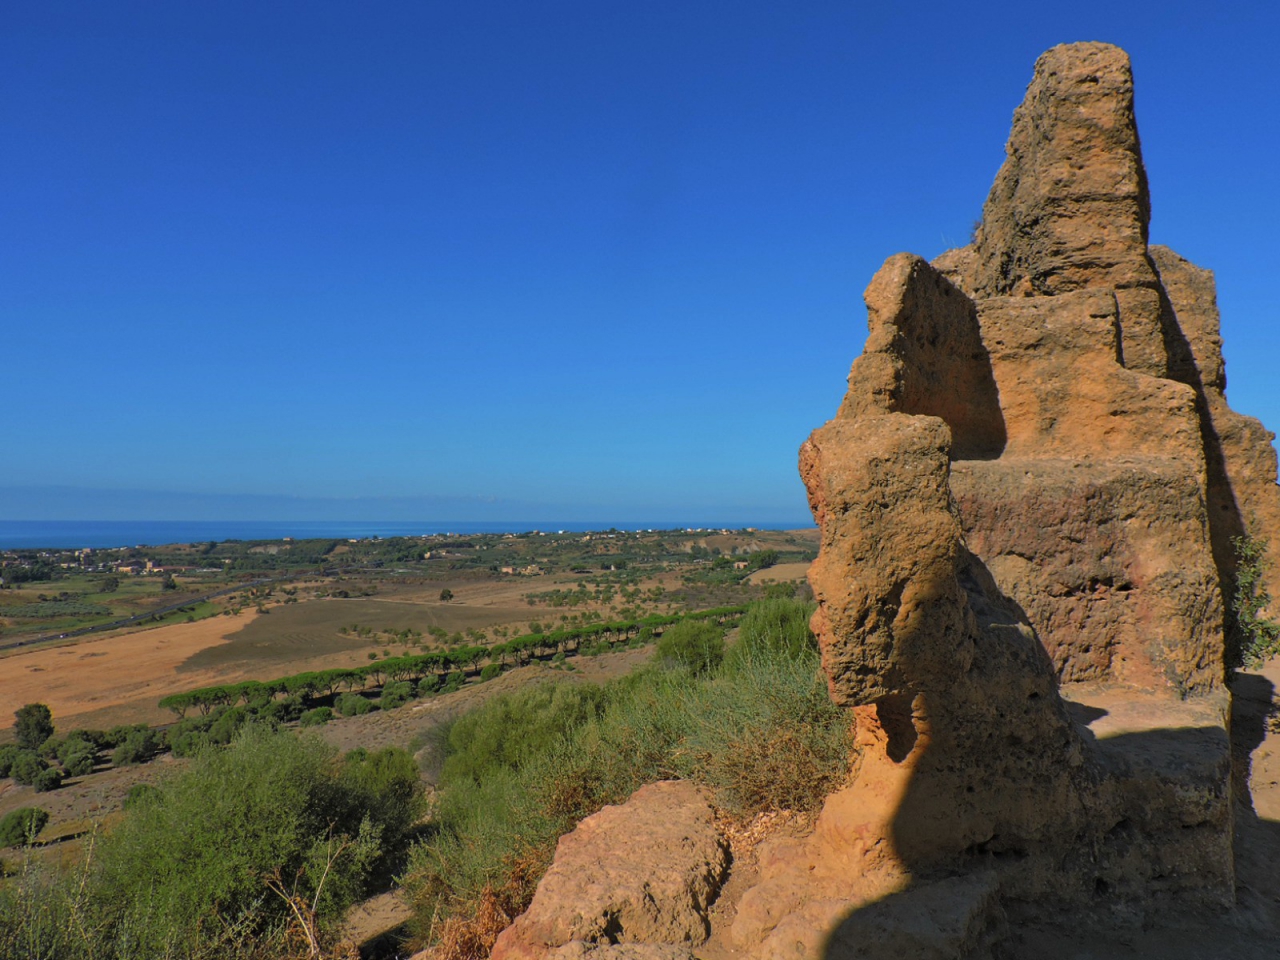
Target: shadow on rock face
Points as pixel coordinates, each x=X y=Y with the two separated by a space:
x=1027 y=501
x=1124 y=892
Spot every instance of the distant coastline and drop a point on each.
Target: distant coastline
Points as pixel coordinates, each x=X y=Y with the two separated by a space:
x=74 y=534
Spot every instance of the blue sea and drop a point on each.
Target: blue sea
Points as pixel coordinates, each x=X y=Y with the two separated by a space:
x=28 y=534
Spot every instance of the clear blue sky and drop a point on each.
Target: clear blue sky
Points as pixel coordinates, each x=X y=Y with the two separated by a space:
x=512 y=259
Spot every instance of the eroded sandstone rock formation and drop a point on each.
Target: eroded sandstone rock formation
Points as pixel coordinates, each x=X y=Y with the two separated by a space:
x=640 y=874
x=1027 y=502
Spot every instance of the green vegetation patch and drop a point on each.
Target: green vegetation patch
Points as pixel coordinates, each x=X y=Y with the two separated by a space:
x=22 y=826
x=758 y=728
x=53 y=609
x=1256 y=638
x=213 y=863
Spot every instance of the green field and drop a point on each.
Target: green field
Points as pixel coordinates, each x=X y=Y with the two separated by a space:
x=292 y=631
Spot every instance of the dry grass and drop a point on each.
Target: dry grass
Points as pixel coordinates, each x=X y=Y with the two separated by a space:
x=106 y=672
x=744 y=835
x=471 y=935
x=780 y=572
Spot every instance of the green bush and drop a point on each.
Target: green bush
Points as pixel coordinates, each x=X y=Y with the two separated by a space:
x=75 y=745
x=79 y=764
x=47 y=779
x=1257 y=639
x=785 y=590
x=118 y=735
x=77 y=754
x=141 y=793
x=227 y=724
x=490 y=671
x=353 y=705
x=386 y=784
x=695 y=645
x=26 y=767
x=428 y=686
x=454 y=681
x=283 y=711
x=773 y=628
x=188 y=743
x=22 y=826
x=181 y=874
x=396 y=695
x=510 y=729
x=139 y=746
x=8 y=754
x=315 y=718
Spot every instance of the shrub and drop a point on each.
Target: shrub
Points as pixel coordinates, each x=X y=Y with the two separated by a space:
x=188 y=743
x=773 y=628
x=77 y=754
x=386 y=783
x=785 y=590
x=396 y=695
x=454 y=681
x=317 y=717
x=767 y=736
x=48 y=779
x=428 y=686
x=227 y=724
x=353 y=705
x=117 y=735
x=22 y=826
x=138 y=747
x=695 y=645
x=75 y=745
x=79 y=764
x=510 y=729
x=282 y=711
x=26 y=767
x=8 y=754
x=272 y=808
x=141 y=793
x=490 y=671
x=1257 y=638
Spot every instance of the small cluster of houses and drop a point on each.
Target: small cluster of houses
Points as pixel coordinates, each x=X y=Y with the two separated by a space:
x=139 y=567
x=532 y=570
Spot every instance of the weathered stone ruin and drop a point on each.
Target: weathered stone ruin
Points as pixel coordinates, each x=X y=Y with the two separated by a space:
x=1027 y=502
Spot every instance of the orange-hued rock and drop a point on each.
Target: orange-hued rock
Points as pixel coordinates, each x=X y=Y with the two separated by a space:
x=1243 y=496
x=1027 y=500
x=643 y=873
x=1069 y=208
